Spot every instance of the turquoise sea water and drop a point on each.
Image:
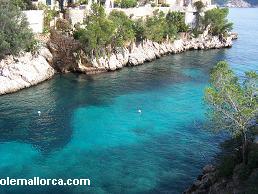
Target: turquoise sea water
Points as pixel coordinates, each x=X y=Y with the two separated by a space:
x=90 y=126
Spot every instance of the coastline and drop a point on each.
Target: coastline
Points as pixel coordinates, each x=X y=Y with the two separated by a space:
x=147 y=51
x=27 y=70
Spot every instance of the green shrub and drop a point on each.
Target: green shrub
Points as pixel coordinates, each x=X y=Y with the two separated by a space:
x=98 y=33
x=104 y=32
x=217 y=19
x=139 y=28
x=24 y=4
x=15 y=34
x=124 y=28
x=177 y=19
x=155 y=27
x=128 y=3
x=34 y=46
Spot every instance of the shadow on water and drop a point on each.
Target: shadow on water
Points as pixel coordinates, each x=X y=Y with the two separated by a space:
x=150 y=171
x=57 y=98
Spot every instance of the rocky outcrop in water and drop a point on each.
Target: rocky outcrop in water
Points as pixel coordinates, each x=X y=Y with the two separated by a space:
x=148 y=50
x=24 y=71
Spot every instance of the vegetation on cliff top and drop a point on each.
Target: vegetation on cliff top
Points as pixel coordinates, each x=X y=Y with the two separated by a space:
x=217 y=19
x=15 y=35
x=125 y=3
x=117 y=29
x=102 y=32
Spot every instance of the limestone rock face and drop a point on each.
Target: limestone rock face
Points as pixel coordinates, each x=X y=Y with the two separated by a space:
x=148 y=50
x=114 y=63
x=27 y=70
x=44 y=52
x=145 y=51
x=21 y=72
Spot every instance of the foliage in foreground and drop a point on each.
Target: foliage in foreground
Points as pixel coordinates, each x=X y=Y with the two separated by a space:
x=15 y=35
x=117 y=29
x=233 y=106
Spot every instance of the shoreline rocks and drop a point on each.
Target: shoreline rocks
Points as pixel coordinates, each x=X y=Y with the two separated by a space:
x=211 y=182
x=25 y=70
x=203 y=182
x=148 y=51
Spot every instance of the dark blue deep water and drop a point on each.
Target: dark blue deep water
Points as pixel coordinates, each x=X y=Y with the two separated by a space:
x=90 y=126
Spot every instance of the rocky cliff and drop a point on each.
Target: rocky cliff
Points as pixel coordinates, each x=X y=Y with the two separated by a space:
x=64 y=56
x=25 y=70
x=148 y=50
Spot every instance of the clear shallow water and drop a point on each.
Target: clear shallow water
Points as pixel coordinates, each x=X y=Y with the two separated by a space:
x=90 y=126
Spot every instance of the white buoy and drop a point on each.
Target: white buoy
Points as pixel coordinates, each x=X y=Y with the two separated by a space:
x=39 y=113
x=139 y=111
